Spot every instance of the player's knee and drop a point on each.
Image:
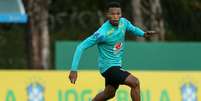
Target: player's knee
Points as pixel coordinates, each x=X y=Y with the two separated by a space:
x=109 y=95
x=134 y=82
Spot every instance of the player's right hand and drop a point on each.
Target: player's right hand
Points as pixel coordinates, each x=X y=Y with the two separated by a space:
x=73 y=76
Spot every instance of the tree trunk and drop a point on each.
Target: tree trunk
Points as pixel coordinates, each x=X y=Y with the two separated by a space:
x=137 y=16
x=148 y=15
x=39 y=37
x=157 y=22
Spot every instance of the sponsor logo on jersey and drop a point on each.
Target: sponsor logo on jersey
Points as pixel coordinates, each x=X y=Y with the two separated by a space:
x=117 y=47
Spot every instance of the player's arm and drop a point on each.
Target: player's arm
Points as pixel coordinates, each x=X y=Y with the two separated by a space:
x=138 y=31
x=90 y=41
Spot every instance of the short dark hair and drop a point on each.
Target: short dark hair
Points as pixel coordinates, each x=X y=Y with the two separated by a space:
x=113 y=4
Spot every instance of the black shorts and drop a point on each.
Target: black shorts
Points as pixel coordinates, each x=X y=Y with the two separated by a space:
x=114 y=76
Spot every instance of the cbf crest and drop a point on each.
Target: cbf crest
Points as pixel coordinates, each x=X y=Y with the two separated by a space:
x=35 y=92
x=189 y=92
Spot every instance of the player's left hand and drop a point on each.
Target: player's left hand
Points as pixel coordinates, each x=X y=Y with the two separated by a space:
x=149 y=33
x=73 y=76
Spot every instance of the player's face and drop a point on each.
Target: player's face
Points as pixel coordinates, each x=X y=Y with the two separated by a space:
x=114 y=14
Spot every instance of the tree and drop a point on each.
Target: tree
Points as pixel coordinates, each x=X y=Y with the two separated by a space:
x=38 y=33
x=137 y=15
x=157 y=21
x=148 y=15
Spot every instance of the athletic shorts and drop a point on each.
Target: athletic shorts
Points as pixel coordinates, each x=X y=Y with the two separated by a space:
x=114 y=76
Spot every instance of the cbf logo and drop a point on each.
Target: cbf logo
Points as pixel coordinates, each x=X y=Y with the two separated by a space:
x=35 y=92
x=117 y=47
x=189 y=91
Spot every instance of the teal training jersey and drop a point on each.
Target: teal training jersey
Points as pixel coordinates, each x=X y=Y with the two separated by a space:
x=110 y=42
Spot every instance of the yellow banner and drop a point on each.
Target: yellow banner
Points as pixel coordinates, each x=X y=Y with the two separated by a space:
x=55 y=86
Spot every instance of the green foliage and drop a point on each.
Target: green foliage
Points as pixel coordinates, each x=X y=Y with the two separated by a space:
x=182 y=19
x=77 y=19
x=12 y=46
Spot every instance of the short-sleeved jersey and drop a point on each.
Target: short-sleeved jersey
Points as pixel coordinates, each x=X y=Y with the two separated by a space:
x=110 y=42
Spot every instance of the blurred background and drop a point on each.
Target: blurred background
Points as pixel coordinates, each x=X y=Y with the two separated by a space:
x=50 y=21
x=41 y=36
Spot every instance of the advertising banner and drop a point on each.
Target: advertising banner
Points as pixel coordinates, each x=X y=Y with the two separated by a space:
x=55 y=86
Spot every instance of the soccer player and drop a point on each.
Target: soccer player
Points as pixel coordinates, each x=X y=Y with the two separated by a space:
x=110 y=39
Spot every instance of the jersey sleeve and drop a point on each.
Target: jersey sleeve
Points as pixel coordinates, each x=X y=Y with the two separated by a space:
x=88 y=42
x=134 y=29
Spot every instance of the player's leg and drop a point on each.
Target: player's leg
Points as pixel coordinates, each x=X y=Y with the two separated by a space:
x=111 y=85
x=108 y=93
x=134 y=84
